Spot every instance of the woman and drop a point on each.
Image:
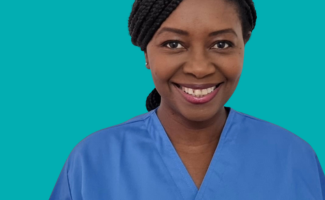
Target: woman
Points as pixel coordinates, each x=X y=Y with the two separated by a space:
x=189 y=146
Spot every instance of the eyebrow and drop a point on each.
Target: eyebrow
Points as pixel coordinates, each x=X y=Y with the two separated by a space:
x=182 y=32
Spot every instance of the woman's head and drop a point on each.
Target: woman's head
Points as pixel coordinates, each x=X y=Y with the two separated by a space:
x=192 y=43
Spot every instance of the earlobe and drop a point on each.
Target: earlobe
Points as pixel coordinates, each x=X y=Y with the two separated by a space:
x=147 y=66
x=146 y=57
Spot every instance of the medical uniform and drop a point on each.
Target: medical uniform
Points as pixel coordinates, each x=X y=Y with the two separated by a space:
x=254 y=160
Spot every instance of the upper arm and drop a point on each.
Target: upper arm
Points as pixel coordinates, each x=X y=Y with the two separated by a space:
x=321 y=177
x=61 y=189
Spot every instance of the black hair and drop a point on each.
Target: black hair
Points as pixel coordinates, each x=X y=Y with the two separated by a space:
x=147 y=16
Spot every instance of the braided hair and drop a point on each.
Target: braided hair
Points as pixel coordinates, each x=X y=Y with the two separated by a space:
x=147 y=16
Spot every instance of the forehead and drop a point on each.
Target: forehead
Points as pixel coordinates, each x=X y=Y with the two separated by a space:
x=200 y=16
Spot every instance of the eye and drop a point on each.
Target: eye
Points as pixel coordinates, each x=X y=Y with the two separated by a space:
x=223 y=45
x=173 y=45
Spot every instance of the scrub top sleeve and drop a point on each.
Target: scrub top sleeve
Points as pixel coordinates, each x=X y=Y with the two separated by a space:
x=61 y=190
x=322 y=178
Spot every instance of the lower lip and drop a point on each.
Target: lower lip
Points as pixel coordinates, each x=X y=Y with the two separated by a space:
x=199 y=100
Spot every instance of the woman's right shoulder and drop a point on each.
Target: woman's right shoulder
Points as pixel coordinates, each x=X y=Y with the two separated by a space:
x=114 y=137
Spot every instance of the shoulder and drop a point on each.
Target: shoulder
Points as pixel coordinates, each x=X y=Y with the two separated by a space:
x=111 y=138
x=284 y=157
x=272 y=137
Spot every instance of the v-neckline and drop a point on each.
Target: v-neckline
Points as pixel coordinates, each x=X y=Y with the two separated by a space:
x=176 y=167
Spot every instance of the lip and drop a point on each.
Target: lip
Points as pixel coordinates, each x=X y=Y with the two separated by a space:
x=198 y=100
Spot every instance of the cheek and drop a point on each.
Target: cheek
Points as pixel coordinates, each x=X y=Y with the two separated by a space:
x=234 y=71
x=232 y=67
x=161 y=75
x=162 y=70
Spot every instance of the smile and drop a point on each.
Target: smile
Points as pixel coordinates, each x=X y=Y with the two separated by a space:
x=198 y=94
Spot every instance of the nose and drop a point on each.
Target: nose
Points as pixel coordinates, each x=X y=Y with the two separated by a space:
x=199 y=65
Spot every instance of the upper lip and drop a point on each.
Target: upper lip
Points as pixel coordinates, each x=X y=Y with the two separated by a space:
x=197 y=86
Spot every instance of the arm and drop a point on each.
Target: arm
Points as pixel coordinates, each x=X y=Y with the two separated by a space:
x=322 y=178
x=61 y=190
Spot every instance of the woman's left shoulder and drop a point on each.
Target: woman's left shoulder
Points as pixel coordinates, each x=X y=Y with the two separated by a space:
x=282 y=157
x=272 y=136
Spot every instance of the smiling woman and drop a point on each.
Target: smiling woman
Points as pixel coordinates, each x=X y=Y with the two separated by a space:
x=189 y=146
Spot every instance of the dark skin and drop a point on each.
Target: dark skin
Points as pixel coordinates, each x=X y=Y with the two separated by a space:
x=196 y=58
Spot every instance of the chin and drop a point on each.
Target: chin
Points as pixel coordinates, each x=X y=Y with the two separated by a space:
x=201 y=113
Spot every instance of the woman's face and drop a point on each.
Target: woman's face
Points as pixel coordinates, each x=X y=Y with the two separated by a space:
x=199 y=46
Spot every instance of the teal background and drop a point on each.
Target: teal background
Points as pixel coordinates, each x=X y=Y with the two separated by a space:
x=68 y=69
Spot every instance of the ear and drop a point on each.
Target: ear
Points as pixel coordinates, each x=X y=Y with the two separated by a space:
x=248 y=37
x=146 y=57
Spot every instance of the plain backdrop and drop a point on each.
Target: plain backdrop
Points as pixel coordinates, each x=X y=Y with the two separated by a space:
x=68 y=68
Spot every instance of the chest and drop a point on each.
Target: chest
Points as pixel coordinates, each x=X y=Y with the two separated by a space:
x=197 y=164
x=144 y=178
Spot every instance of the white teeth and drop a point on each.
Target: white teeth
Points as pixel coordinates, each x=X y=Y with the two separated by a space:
x=204 y=92
x=198 y=92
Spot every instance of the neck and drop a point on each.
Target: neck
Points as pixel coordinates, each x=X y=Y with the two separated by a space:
x=184 y=132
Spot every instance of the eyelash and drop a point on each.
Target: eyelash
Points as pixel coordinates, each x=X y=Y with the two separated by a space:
x=230 y=44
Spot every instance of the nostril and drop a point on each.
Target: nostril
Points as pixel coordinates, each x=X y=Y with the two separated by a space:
x=199 y=70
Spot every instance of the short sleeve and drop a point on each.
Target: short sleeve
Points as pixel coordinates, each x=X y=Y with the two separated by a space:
x=61 y=190
x=322 y=178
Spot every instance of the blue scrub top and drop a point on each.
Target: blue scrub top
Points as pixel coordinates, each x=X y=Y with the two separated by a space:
x=254 y=160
